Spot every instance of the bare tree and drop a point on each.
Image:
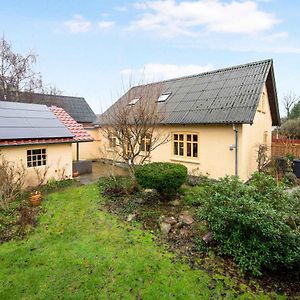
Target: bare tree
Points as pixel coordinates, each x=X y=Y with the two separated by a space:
x=41 y=175
x=131 y=125
x=262 y=157
x=16 y=72
x=51 y=90
x=288 y=101
x=12 y=178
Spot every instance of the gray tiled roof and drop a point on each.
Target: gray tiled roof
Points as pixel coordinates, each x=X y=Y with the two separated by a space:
x=76 y=107
x=229 y=95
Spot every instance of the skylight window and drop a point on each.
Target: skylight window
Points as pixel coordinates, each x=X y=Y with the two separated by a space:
x=134 y=101
x=163 y=97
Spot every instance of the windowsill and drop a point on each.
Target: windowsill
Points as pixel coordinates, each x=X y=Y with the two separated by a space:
x=184 y=160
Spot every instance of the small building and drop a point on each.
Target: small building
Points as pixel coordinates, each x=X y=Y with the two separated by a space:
x=215 y=120
x=39 y=138
x=78 y=109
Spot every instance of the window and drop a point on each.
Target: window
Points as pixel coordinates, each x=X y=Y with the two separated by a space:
x=185 y=145
x=134 y=101
x=163 y=97
x=146 y=143
x=112 y=142
x=36 y=157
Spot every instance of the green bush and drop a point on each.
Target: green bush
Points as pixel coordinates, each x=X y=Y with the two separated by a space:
x=166 y=178
x=254 y=223
x=115 y=186
x=194 y=196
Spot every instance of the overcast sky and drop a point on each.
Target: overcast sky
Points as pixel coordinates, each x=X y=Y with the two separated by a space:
x=88 y=47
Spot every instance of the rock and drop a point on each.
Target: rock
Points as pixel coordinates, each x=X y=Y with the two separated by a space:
x=170 y=220
x=184 y=232
x=175 y=202
x=131 y=217
x=139 y=201
x=208 y=237
x=165 y=228
x=186 y=219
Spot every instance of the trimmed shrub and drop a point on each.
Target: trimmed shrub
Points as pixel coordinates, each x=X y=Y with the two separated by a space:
x=166 y=178
x=115 y=186
x=255 y=223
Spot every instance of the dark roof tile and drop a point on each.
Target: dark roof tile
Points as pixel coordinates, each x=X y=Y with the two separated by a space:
x=76 y=107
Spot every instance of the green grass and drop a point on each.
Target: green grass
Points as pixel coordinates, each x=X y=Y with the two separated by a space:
x=80 y=252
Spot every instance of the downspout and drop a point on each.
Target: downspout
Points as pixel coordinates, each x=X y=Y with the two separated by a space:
x=236 y=149
x=77 y=151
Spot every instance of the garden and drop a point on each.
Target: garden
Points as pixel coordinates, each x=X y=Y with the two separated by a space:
x=164 y=235
x=250 y=232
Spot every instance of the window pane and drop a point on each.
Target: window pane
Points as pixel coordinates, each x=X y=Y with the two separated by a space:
x=189 y=137
x=175 y=136
x=43 y=151
x=175 y=148
x=143 y=145
x=28 y=152
x=148 y=144
x=189 y=149
x=163 y=97
x=181 y=137
x=36 y=151
x=195 y=150
x=181 y=148
x=195 y=138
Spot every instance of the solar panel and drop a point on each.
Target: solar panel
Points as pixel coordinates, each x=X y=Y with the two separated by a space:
x=29 y=121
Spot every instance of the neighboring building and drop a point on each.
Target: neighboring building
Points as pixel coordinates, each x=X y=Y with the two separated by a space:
x=204 y=114
x=39 y=137
x=78 y=109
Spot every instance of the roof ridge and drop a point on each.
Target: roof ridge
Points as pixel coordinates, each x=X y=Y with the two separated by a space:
x=270 y=60
x=51 y=95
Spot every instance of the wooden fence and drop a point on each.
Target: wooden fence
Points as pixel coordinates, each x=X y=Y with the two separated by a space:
x=283 y=147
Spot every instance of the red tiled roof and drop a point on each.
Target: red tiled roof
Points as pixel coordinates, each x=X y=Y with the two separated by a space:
x=79 y=133
x=36 y=141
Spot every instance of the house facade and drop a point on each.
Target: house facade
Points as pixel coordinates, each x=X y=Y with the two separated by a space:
x=214 y=121
x=39 y=139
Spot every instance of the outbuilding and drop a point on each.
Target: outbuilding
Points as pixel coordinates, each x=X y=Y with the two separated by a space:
x=37 y=137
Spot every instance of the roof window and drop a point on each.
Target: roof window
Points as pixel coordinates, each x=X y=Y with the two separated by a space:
x=163 y=97
x=134 y=101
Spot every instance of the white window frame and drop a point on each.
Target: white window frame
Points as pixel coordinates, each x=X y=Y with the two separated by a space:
x=35 y=159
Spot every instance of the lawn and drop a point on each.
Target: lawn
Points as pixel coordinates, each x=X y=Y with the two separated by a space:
x=79 y=251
